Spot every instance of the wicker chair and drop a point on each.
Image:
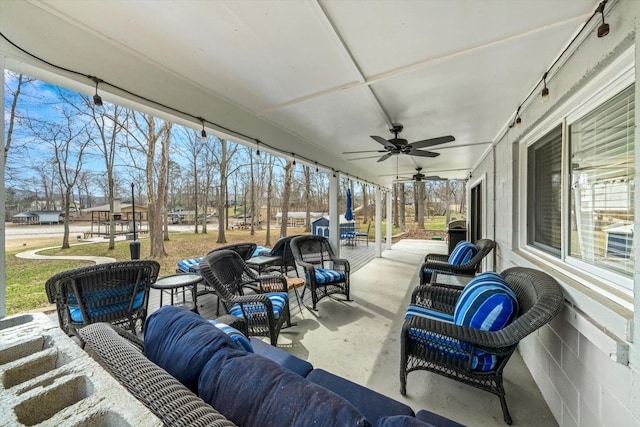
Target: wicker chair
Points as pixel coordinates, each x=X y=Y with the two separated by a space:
x=245 y=250
x=439 y=262
x=437 y=346
x=265 y=313
x=282 y=249
x=324 y=273
x=115 y=292
x=120 y=353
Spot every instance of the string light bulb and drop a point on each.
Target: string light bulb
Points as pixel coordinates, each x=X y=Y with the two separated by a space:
x=603 y=29
x=97 y=99
x=203 y=134
x=258 y=148
x=317 y=167
x=294 y=158
x=545 y=90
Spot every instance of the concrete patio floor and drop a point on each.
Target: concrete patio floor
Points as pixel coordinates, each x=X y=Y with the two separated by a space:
x=359 y=340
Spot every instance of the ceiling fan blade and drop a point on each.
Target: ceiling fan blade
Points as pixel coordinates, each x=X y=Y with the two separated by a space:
x=421 y=153
x=432 y=141
x=363 y=158
x=383 y=141
x=365 y=151
x=385 y=157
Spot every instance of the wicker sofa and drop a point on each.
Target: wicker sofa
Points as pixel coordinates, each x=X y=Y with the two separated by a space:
x=267 y=387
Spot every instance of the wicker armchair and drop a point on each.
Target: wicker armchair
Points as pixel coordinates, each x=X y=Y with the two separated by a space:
x=449 y=350
x=282 y=249
x=245 y=250
x=120 y=353
x=115 y=292
x=439 y=262
x=265 y=313
x=324 y=273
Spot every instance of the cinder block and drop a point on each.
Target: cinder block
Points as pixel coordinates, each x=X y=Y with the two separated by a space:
x=48 y=380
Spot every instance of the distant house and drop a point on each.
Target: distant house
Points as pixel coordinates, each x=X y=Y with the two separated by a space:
x=38 y=217
x=296 y=219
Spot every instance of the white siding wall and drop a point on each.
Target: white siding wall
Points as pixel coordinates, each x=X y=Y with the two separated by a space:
x=573 y=359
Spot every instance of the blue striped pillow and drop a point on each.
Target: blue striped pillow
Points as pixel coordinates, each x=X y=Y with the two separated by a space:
x=462 y=253
x=189 y=265
x=238 y=338
x=256 y=310
x=416 y=310
x=486 y=303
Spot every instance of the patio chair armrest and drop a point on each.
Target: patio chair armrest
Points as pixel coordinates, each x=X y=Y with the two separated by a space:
x=435 y=297
x=495 y=342
x=436 y=257
x=341 y=264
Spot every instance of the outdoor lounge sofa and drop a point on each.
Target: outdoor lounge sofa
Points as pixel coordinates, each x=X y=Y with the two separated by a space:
x=189 y=367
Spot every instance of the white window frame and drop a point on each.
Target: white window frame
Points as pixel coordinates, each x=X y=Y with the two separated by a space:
x=614 y=79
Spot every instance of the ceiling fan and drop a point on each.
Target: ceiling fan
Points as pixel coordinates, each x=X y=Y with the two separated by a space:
x=418 y=177
x=397 y=145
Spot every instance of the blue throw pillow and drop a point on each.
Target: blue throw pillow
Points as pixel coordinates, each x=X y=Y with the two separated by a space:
x=239 y=339
x=462 y=253
x=181 y=342
x=486 y=303
x=251 y=390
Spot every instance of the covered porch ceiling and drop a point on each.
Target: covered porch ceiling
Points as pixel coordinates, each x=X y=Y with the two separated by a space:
x=310 y=78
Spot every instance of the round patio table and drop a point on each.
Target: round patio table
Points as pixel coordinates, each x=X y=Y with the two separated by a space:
x=172 y=284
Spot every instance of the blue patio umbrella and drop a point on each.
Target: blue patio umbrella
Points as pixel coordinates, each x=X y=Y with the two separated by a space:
x=348 y=215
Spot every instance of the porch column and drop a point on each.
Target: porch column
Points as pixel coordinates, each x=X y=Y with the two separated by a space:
x=3 y=276
x=334 y=215
x=389 y=219
x=378 y=222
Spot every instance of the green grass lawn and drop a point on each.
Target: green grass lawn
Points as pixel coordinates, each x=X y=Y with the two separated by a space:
x=26 y=278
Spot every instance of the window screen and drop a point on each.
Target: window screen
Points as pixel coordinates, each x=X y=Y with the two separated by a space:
x=544 y=192
x=602 y=186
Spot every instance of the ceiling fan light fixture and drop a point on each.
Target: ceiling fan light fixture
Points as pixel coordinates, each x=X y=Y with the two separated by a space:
x=603 y=29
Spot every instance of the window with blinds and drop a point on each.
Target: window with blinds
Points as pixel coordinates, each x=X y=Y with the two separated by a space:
x=602 y=170
x=544 y=193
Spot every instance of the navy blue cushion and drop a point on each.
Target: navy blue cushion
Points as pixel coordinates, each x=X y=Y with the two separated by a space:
x=251 y=390
x=371 y=404
x=462 y=253
x=435 y=419
x=416 y=310
x=486 y=303
x=281 y=357
x=181 y=342
x=401 y=421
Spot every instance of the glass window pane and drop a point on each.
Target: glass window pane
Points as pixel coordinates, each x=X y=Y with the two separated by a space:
x=544 y=193
x=602 y=186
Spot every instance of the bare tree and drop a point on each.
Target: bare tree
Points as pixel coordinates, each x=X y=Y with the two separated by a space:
x=402 y=223
x=269 y=195
x=307 y=198
x=68 y=138
x=146 y=134
x=193 y=146
x=419 y=186
x=223 y=159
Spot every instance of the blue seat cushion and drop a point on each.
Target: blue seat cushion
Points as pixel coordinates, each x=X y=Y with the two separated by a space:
x=189 y=265
x=181 y=342
x=486 y=303
x=371 y=404
x=251 y=390
x=462 y=253
x=278 y=300
x=239 y=339
x=281 y=357
x=324 y=276
x=91 y=298
x=435 y=419
x=480 y=361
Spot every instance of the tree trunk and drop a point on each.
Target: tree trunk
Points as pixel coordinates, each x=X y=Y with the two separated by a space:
x=253 y=195
x=365 y=204
x=420 y=200
x=222 y=199
x=269 y=194
x=307 y=199
x=395 y=205
x=286 y=191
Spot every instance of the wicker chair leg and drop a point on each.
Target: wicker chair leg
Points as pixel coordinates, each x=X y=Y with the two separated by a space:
x=505 y=410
